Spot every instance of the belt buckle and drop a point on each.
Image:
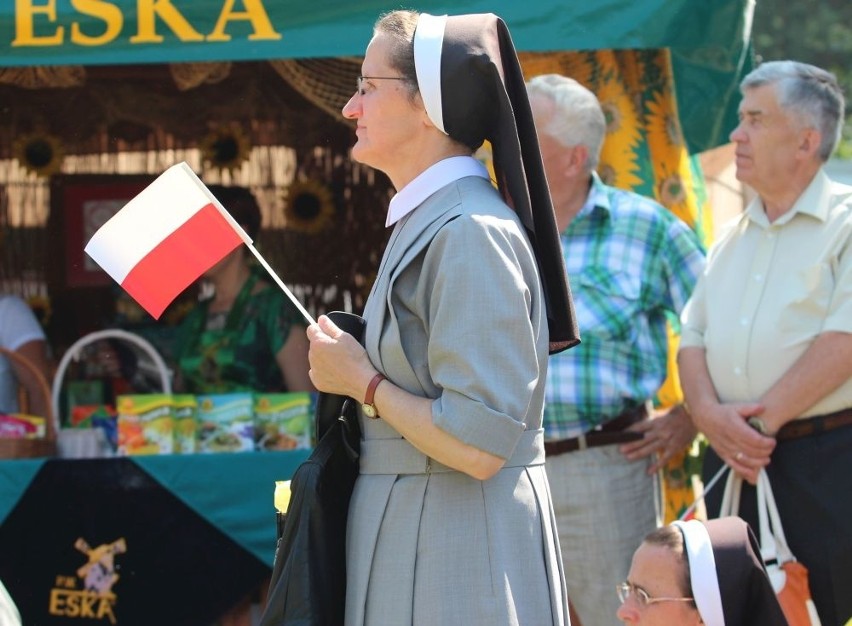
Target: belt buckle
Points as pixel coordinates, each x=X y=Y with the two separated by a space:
x=581 y=441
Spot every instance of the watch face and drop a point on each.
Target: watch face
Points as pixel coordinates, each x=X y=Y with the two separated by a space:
x=369 y=410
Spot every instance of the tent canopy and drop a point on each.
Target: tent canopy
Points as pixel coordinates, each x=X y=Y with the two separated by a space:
x=709 y=41
x=38 y=32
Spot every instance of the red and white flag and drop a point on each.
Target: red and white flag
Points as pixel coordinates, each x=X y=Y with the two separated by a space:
x=161 y=241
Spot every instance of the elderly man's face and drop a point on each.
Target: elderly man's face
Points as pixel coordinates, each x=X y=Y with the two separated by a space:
x=767 y=141
x=556 y=156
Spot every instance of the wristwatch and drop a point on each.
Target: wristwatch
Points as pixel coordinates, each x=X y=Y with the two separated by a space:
x=368 y=407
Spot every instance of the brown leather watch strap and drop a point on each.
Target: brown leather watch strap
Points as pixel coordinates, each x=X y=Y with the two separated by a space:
x=371 y=388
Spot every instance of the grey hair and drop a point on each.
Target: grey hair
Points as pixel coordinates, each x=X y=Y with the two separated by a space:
x=400 y=26
x=810 y=95
x=577 y=117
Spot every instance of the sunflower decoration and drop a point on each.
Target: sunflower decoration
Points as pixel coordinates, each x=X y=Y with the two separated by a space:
x=580 y=66
x=671 y=190
x=676 y=186
x=39 y=152
x=309 y=207
x=662 y=124
x=623 y=135
x=225 y=148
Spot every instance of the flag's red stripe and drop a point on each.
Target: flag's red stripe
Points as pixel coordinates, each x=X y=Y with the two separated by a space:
x=180 y=259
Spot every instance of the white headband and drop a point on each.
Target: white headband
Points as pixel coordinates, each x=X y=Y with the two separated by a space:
x=428 y=42
x=702 y=571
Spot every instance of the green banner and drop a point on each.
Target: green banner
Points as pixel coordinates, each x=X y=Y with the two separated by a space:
x=708 y=40
x=54 y=32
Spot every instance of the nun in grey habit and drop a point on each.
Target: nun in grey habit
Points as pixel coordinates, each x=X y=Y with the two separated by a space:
x=451 y=520
x=699 y=573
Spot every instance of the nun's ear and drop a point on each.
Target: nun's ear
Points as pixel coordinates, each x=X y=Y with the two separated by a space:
x=417 y=104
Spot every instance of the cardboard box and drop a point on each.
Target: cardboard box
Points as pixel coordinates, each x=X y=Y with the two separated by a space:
x=145 y=424
x=22 y=426
x=282 y=421
x=185 y=408
x=226 y=422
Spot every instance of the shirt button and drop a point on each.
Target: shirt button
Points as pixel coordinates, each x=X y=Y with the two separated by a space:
x=758 y=278
x=738 y=370
x=744 y=321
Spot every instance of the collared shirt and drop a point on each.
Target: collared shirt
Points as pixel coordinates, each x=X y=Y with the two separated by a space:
x=632 y=265
x=429 y=181
x=770 y=289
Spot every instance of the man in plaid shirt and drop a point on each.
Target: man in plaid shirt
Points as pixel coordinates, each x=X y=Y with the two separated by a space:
x=632 y=265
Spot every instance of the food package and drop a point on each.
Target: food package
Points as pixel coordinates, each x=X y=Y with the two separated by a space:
x=22 y=426
x=185 y=408
x=145 y=424
x=225 y=422
x=83 y=415
x=103 y=416
x=282 y=421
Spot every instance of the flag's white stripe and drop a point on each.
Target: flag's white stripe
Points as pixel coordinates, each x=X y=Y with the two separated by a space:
x=428 y=43
x=159 y=210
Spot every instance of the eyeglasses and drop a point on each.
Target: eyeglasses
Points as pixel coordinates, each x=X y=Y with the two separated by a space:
x=626 y=589
x=361 y=80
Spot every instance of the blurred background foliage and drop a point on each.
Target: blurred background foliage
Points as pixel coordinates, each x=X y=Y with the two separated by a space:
x=812 y=31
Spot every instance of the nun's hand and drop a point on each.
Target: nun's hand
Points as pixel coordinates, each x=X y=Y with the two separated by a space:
x=339 y=364
x=665 y=434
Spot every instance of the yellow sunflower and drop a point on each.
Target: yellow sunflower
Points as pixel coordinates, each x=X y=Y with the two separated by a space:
x=618 y=155
x=39 y=152
x=225 y=148
x=576 y=65
x=674 y=189
x=579 y=66
x=662 y=124
x=309 y=207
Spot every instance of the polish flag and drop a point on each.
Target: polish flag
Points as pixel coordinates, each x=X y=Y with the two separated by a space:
x=161 y=241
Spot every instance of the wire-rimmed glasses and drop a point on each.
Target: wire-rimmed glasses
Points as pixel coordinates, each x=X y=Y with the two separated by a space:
x=626 y=589
x=362 y=79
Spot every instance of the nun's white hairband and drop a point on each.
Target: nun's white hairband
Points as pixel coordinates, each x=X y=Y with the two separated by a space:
x=702 y=571
x=428 y=42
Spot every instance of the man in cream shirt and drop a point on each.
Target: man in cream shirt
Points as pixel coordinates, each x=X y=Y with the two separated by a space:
x=766 y=348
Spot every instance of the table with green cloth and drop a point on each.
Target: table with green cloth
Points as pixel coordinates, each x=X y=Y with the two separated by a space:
x=172 y=539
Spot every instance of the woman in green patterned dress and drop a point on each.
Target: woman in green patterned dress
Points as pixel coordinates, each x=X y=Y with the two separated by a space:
x=246 y=336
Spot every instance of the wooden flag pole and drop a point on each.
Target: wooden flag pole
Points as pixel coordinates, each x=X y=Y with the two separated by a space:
x=281 y=284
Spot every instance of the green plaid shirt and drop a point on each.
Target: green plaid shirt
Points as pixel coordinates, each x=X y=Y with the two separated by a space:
x=632 y=265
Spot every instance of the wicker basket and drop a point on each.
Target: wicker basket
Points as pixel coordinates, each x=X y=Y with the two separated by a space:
x=78 y=443
x=31 y=448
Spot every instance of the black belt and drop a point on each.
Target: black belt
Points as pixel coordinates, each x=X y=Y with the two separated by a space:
x=810 y=425
x=608 y=433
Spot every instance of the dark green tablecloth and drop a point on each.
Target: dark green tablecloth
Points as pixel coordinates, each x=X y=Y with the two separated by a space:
x=142 y=540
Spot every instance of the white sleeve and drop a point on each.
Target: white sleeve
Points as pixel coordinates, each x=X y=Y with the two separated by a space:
x=18 y=324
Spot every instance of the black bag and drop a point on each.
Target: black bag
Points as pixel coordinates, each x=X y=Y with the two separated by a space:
x=308 y=586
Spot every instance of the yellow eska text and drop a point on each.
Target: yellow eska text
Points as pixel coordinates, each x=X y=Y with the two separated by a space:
x=81 y=604
x=148 y=11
